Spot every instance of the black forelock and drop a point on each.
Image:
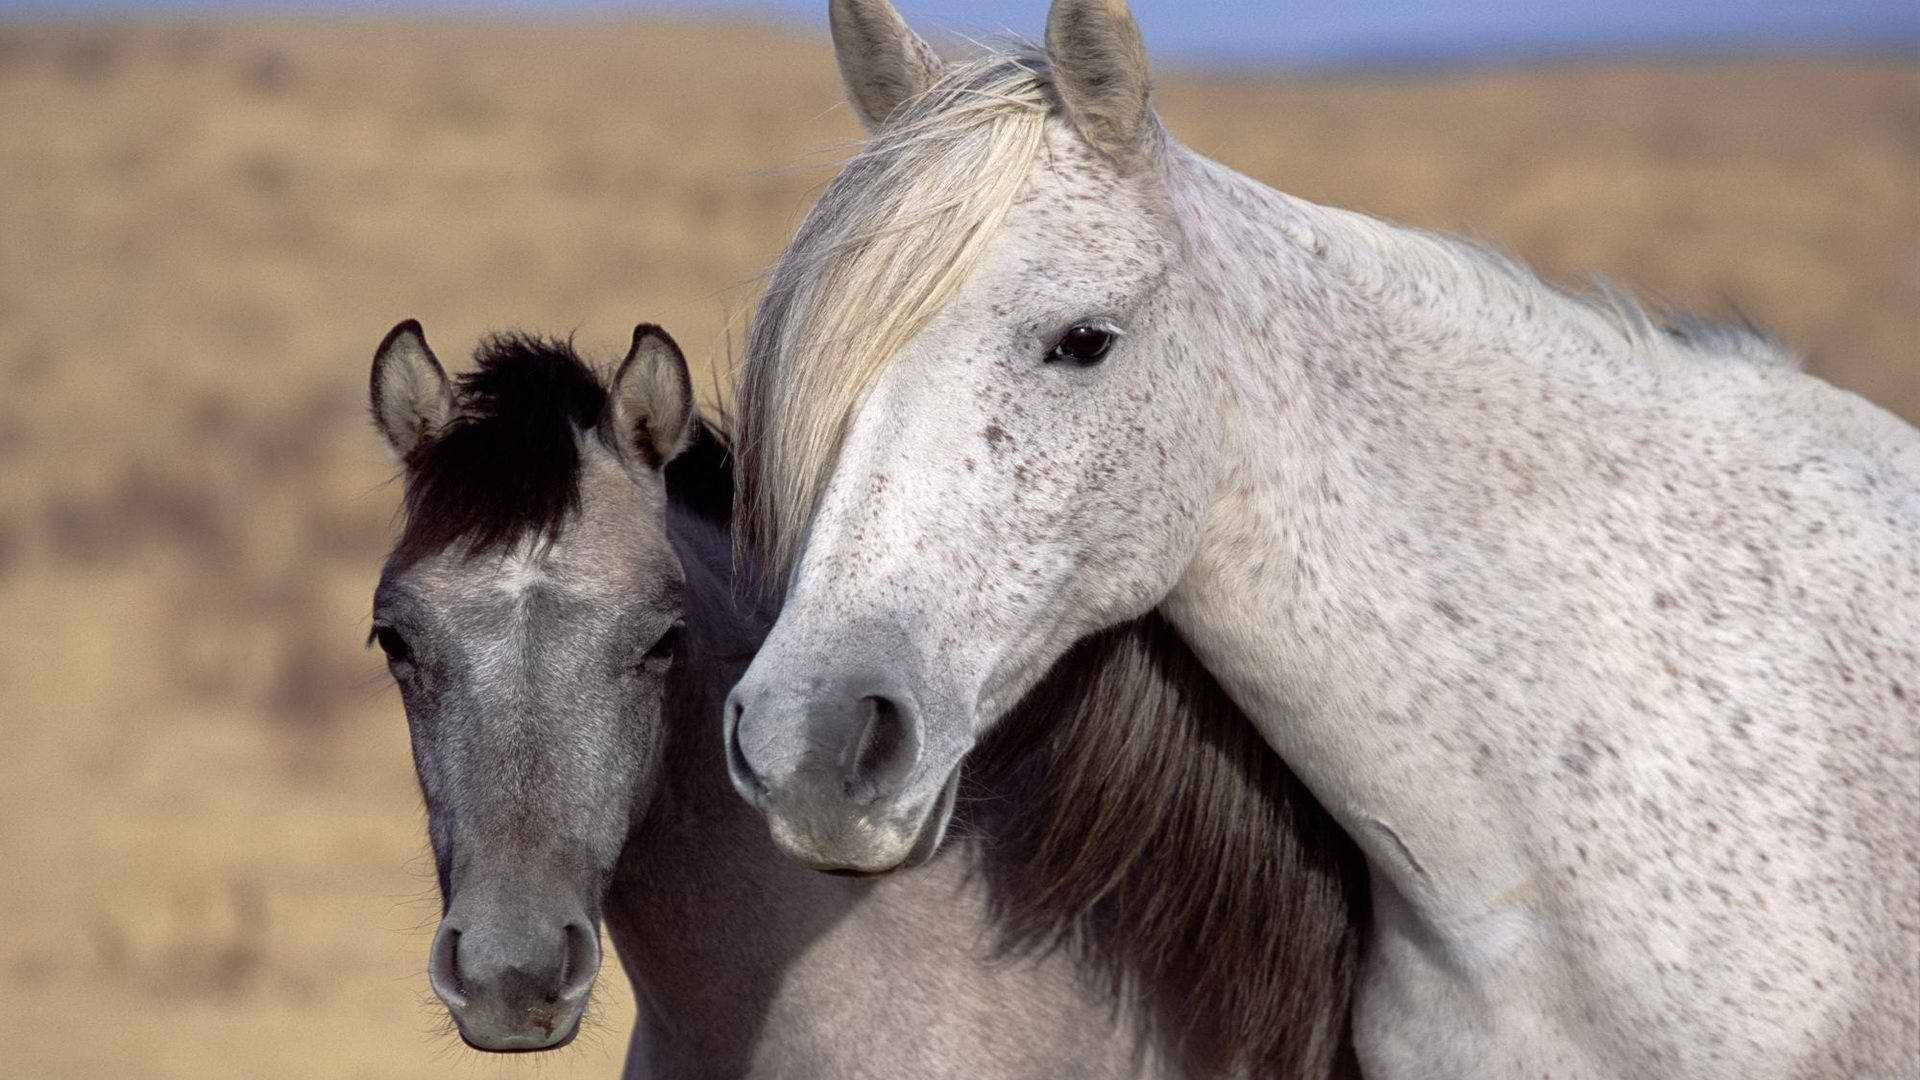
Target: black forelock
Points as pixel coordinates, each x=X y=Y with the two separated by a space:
x=508 y=465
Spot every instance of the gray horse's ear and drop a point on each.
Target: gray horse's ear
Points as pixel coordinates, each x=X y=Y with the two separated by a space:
x=1100 y=70
x=883 y=63
x=408 y=390
x=652 y=399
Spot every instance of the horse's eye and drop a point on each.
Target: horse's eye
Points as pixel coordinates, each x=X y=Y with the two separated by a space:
x=395 y=646
x=1083 y=344
x=662 y=650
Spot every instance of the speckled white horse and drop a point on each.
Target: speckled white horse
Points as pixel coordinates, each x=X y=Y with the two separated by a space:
x=1601 y=637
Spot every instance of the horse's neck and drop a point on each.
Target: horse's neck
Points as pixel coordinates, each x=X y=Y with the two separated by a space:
x=1396 y=411
x=1553 y=614
x=689 y=906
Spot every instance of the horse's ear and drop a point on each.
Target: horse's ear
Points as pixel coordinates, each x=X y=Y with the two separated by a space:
x=1100 y=70
x=883 y=63
x=409 y=392
x=652 y=399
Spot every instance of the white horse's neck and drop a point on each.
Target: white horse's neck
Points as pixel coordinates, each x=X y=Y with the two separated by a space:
x=1564 y=621
x=1356 y=354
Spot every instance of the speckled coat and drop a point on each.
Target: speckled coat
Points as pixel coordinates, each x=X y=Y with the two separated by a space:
x=1601 y=638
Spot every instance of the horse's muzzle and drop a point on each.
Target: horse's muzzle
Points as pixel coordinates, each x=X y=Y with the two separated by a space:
x=833 y=768
x=514 y=986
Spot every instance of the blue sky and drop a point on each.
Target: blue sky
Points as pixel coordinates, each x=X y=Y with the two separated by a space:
x=1297 y=30
x=1284 y=31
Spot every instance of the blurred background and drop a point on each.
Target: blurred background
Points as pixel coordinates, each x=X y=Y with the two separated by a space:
x=212 y=861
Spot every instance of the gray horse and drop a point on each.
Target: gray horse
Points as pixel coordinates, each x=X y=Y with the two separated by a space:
x=561 y=617
x=1600 y=637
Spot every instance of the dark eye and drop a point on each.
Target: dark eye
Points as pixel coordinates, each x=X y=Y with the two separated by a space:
x=1084 y=344
x=395 y=646
x=662 y=650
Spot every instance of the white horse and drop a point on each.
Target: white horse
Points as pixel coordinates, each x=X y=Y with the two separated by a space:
x=1601 y=638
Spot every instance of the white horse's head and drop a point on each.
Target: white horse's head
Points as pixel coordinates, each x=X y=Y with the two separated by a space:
x=973 y=430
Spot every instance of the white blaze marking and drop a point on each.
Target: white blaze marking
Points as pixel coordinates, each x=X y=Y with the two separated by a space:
x=518 y=573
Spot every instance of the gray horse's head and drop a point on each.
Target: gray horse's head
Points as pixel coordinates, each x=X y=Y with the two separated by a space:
x=529 y=614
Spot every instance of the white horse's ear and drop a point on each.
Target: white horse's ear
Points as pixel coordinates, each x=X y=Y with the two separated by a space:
x=883 y=63
x=652 y=399
x=409 y=391
x=1100 y=70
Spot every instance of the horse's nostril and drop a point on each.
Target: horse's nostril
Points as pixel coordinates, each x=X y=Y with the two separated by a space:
x=843 y=736
x=745 y=779
x=582 y=961
x=443 y=968
x=884 y=753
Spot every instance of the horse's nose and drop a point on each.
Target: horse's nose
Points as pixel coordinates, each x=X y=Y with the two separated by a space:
x=514 y=986
x=849 y=737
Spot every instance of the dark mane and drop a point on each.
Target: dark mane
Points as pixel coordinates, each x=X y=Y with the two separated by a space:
x=700 y=491
x=1132 y=815
x=508 y=465
x=700 y=479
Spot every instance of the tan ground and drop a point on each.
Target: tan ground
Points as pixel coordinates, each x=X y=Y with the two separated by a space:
x=211 y=861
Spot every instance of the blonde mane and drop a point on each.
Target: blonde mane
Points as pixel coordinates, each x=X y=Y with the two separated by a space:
x=884 y=248
x=905 y=224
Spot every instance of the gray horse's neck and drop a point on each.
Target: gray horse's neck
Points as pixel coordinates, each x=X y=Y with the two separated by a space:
x=1565 y=619
x=746 y=965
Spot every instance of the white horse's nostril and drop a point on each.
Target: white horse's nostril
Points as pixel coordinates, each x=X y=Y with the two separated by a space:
x=881 y=758
x=745 y=780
